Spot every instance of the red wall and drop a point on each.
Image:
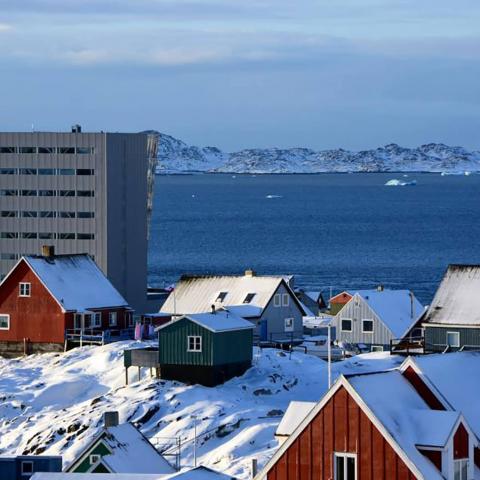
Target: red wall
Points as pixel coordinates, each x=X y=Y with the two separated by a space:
x=341 y=298
x=460 y=443
x=341 y=426
x=38 y=317
x=435 y=456
x=420 y=386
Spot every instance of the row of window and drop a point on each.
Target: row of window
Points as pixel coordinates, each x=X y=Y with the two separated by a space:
x=44 y=214
x=50 y=150
x=94 y=320
x=47 y=236
x=347 y=325
x=11 y=192
x=281 y=300
x=46 y=171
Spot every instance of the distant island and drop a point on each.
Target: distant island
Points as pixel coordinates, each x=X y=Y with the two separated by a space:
x=175 y=156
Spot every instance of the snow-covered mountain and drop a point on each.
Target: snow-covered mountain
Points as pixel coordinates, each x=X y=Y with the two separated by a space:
x=175 y=156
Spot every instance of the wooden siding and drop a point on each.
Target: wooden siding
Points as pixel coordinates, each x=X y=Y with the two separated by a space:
x=98 y=449
x=436 y=337
x=232 y=347
x=341 y=426
x=173 y=344
x=460 y=443
x=381 y=333
x=422 y=389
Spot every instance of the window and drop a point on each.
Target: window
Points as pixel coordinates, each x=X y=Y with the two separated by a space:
x=47 y=193
x=85 y=236
x=345 y=466
x=112 y=319
x=28 y=235
x=285 y=299
x=66 y=171
x=453 y=339
x=130 y=319
x=248 y=298
x=46 y=171
x=48 y=214
x=85 y=215
x=8 y=193
x=376 y=348
x=66 y=214
x=68 y=150
x=29 y=214
x=24 y=289
x=367 y=326
x=46 y=150
x=8 y=256
x=46 y=236
x=7 y=149
x=460 y=469
x=66 y=193
x=85 y=193
x=221 y=297
x=9 y=213
x=27 y=171
x=94 y=459
x=346 y=325
x=66 y=236
x=289 y=324
x=97 y=319
x=194 y=343
x=8 y=171
x=4 y=321
x=277 y=300
x=84 y=171
x=9 y=235
x=28 y=193
x=85 y=150
x=27 y=467
x=28 y=149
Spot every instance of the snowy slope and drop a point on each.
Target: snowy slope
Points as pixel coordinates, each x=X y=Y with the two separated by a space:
x=53 y=403
x=176 y=156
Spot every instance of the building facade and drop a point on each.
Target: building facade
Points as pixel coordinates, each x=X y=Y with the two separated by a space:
x=82 y=193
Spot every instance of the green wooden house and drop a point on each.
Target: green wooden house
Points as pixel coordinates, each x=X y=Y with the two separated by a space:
x=117 y=448
x=205 y=348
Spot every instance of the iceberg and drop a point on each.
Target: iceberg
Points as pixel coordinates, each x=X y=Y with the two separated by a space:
x=399 y=183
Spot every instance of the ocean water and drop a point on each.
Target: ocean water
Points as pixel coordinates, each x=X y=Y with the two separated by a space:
x=332 y=231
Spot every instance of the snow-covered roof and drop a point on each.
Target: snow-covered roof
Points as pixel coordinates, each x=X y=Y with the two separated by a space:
x=293 y=417
x=456 y=376
x=200 y=473
x=75 y=281
x=197 y=294
x=220 y=321
x=398 y=309
x=457 y=300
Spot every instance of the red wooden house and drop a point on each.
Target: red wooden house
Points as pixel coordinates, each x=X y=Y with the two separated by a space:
x=388 y=426
x=43 y=297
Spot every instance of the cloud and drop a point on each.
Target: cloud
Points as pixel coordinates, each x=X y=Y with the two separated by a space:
x=5 y=27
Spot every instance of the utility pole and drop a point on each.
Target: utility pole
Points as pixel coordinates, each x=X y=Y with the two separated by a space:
x=329 y=356
x=194 y=441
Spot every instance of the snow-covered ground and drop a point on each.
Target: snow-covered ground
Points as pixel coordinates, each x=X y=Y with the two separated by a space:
x=53 y=403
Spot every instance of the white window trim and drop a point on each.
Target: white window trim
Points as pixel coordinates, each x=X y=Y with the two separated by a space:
x=25 y=462
x=458 y=336
x=97 y=315
x=368 y=320
x=194 y=343
x=289 y=328
x=344 y=455
x=277 y=300
x=285 y=299
x=28 y=287
x=94 y=458
x=8 y=319
x=111 y=316
x=348 y=320
x=377 y=348
x=461 y=461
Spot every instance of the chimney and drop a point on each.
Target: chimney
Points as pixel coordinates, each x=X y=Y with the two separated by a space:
x=250 y=273
x=76 y=129
x=48 y=251
x=254 y=467
x=213 y=309
x=110 y=419
x=380 y=288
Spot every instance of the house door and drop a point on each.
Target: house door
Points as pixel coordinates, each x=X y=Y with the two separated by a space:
x=263 y=330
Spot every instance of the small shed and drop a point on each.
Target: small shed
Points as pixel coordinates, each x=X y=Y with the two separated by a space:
x=205 y=348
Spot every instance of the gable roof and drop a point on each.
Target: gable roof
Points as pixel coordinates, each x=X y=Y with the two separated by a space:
x=220 y=321
x=393 y=307
x=75 y=281
x=127 y=445
x=196 y=294
x=457 y=299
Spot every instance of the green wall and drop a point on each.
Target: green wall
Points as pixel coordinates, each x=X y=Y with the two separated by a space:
x=99 y=449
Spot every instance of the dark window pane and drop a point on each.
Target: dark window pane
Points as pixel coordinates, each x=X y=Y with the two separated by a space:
x=66 y=236
x=85 y=236
x=28 y=149
x=29 y=214
x=48 y=214
x=29 y=235
x=9 y=235
x=8 y=171
x=47 y=193
x=46 y=171
x=7 y=149
x=46 y=236
x=66 y=171
x=9 y=213
x=46 y=149
x=339 y=468
x=66 y=193
x=66 y=214
x=28 y=171
x=85 y=193
x=68 y=150
x=85 y=215
x=84 y=171
x=8 y=193
x=85 y=150
x=28 y=193
x=8 y=256
x=350 y=468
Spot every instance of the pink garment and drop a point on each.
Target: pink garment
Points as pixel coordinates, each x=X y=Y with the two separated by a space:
x=138 y=331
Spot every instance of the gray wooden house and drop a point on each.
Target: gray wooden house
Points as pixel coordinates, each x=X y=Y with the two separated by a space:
x=452 y=322
x=267 y=301
x=205 y=348
x=372 y=318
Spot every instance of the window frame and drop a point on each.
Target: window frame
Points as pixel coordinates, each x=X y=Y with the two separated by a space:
x=248 y=298
x=7 y=315
x=461 y=462
x=346 y=320
x=94 y=458
x=376 y=348
x=277 y=300
x=290 y=328
x=458 y=338
x=27 y=286
x=195 y=344
x=112 y=319
x=285 y=300
x=221 y=297
x=345 y=456
x=22 y=469
x=97 y=316
x=367 y=320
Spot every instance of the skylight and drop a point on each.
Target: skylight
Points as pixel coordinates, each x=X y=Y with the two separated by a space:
x=221 y=297
x=249 y=297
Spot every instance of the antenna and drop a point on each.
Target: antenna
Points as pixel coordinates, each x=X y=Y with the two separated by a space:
x=33 y=127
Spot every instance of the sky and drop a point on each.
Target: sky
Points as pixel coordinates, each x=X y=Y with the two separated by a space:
x=246 y=73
